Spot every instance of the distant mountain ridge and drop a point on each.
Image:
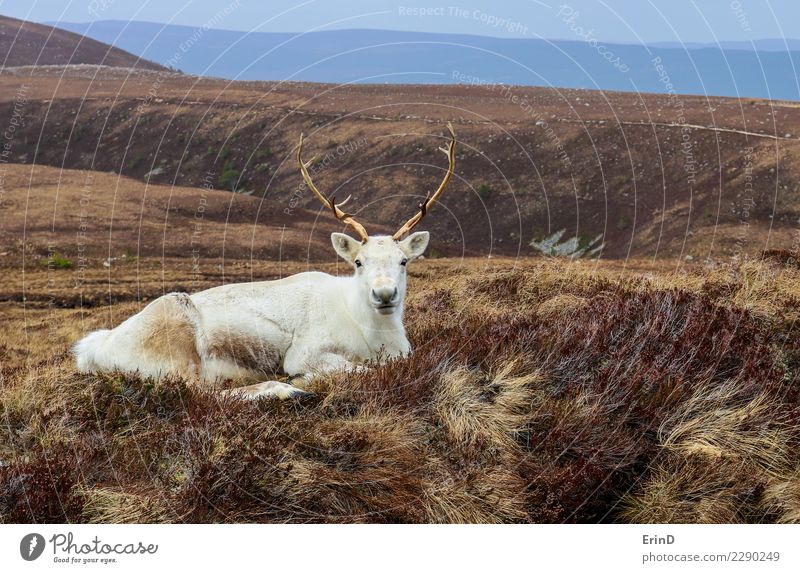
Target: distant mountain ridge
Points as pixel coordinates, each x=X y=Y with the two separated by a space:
x=383 y=56
x=764 y=44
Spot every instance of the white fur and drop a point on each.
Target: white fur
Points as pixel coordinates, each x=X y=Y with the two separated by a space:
x=303 y=325
x=85 y=349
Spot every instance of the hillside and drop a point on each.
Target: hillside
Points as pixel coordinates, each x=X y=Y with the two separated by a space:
x=26 y=43
x=656 y=175
x=88 y=217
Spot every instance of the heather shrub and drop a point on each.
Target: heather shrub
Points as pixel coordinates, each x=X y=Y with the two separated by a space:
x=573 y=398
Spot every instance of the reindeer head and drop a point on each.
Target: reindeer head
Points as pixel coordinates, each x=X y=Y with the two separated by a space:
x=380 y=266
x=380 y=261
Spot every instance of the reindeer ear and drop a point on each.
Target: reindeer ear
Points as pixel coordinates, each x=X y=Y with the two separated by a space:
x=415 y=244
x=346 y=246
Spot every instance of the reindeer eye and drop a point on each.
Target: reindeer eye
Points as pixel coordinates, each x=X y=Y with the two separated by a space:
x=358 y=263
x=403 y=262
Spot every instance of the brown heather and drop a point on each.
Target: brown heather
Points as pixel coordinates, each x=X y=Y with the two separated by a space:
x=539 y=391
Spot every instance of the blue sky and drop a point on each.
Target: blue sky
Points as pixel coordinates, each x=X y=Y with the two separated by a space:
x=632 y=21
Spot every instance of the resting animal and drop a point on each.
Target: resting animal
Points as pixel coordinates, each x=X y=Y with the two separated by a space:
x=301 y=326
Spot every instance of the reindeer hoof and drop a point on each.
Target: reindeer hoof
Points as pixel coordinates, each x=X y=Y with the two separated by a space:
x=302 y=395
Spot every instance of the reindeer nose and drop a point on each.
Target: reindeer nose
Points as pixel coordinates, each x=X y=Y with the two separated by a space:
x=384 y=295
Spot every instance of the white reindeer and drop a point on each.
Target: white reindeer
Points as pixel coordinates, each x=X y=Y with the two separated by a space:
x=301 y=326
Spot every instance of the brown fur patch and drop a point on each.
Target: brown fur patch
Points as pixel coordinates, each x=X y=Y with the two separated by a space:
x=246 y=352
x=170 y=335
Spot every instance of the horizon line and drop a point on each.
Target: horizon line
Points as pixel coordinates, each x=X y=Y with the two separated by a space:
x=677 y=43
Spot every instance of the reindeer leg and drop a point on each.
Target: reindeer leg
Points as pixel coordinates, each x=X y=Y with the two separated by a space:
x=268 y=389
x=324 y=363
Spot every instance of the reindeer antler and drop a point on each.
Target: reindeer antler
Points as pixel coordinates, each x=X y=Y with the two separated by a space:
x=346 y=218
x=431 y=199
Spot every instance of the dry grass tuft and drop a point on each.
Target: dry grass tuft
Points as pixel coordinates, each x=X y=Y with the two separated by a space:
x=693 y=491
x=106 y=505
x=782 y=498
x=751 y=433
x=553 y=307
x=483 y=411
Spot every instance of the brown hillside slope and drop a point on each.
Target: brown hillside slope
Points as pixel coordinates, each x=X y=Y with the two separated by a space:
x=26 y=43
x=86 y=217
x=531 y=161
